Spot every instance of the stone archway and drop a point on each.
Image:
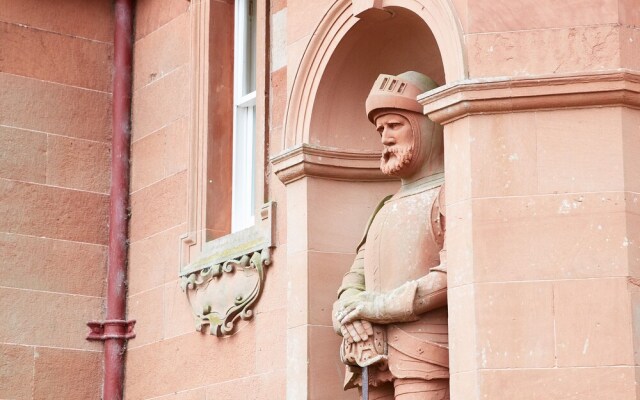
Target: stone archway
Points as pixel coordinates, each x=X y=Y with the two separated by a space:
x=427 y=27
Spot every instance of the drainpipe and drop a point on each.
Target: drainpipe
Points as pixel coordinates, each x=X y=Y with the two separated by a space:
x=115 y=330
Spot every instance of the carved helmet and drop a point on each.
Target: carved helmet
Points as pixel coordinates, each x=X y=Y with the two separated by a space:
x=398 y=92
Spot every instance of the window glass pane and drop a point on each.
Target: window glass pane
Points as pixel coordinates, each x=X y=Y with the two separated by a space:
x=243 y=191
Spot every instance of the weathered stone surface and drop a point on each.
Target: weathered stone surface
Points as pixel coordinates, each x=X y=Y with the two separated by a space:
x=47 y=211
x=586 y=48
x=92 y=20
x=151 y=15
x=67 y=374
x=159 y=155
x=52 y=265
x=160 y=103
x=16 y=371
x=49 y=107
x=504 y=15
x=36 y=54
x=159 y=207
x=23 y=155
x=78 y=164
x=23 y=314
x=161 y=51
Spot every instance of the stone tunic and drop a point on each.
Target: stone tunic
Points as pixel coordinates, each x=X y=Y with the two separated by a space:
x=404 y=243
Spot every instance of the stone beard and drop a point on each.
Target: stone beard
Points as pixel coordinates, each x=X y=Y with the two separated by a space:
x=395 y=158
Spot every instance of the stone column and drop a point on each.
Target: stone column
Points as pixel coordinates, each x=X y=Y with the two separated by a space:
x=543 y=217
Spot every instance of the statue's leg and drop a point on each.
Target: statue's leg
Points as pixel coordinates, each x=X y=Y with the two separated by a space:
x=381 y=392
x=419 y=389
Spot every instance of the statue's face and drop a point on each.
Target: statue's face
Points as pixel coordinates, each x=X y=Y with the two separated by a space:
x=397 y=138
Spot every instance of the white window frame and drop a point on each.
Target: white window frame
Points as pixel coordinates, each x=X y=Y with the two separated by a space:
x=244 y=116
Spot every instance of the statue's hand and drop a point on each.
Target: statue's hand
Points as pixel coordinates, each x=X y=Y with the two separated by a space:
x=380 y=308
x=356 y=331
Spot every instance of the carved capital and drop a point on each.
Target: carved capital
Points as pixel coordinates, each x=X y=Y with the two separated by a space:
x=226 y=281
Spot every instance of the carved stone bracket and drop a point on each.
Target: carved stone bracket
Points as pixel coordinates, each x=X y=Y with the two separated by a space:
x=226 y=281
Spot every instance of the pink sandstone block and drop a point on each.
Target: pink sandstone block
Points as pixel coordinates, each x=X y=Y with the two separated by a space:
x=633 y=236
x=580 y=383
x=152 y=14
x=529 y=239
x=336 y=223
x=161 y=51
x=275 y=282
x=23 y=155
x=159 y=104
x=630 y=47
x=595 y=161
x=590 y=48
x=278 y=98
x=629 y=12
x=458 y=138
x=37 y=263
x=504 y=15
x=593 y=323
x=460 y=252
x=16 y=371
x=302 y=18
x=78 y=164
x=503 y=155
x=515 y=325
x=258 y=387
x=56 y=213
x=158 y=207
x=177 y=317
x=298 y=289
x=463 y=330
x=271 y=343
x=18 y=307
x=630 y=149
x=173 y=361
x=154 y=260
x=324 y=276
x=57 y=58
x=67 y=374
x=147 y=308
x=79 y=18
x=326 y=369
x=160 y=154
x=54 y=108
x=189 y=394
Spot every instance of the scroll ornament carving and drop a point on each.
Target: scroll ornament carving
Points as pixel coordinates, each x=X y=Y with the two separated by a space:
x=224 y=285
x=224 y=293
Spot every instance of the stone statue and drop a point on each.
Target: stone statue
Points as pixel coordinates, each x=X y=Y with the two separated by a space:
x=391 y=308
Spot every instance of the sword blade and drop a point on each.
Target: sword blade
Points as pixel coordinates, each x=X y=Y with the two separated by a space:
x=365 y=383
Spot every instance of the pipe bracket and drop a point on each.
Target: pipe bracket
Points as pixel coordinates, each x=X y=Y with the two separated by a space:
x=111 y=329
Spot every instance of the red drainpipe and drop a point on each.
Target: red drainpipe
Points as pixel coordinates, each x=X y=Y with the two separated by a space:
x=116 y=330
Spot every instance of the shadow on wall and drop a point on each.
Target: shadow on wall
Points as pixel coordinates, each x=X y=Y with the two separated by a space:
x=401 y=43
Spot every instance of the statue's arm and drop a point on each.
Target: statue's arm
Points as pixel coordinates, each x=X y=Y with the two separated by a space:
x=431 y=289
x=353 y=281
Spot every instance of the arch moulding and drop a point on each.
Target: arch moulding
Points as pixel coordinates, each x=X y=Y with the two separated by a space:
x=439 y=16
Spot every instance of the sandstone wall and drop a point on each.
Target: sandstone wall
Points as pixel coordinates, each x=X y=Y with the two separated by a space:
x=55 y=101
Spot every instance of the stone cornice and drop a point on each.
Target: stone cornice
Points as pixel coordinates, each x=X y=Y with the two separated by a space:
x=502 y=95
x=329 y=163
